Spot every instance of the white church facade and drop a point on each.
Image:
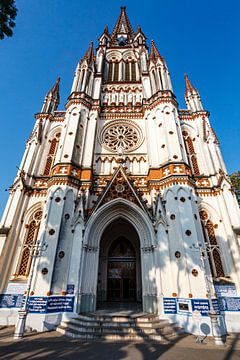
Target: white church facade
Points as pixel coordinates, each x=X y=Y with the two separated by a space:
x=125 y=196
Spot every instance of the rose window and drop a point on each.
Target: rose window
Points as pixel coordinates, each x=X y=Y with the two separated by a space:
x=121 y=136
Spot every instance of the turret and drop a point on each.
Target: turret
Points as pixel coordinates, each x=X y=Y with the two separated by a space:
x=83 y=78
x=139 y=38
x=52 y=99
x=105 y=37
x=192 y=97
x=160 y=78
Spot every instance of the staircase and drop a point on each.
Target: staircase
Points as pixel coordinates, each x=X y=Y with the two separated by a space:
x=120 y=327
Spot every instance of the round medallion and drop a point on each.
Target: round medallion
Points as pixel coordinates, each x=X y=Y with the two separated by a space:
x=119 y=188
x=121 y=134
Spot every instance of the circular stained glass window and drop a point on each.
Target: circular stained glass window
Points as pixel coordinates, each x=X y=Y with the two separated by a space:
x=121 y=134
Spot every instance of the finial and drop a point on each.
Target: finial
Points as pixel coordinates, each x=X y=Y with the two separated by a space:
x=106 y=29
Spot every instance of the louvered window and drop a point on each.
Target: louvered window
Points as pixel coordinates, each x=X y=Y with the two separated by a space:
x=30 y=240
x=212 y=246
x=51 y=154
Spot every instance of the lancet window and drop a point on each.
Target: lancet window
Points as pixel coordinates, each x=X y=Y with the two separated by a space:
x=212 y=246
x=110 y=71
x=116 y=72
x=51 y=154
x=191 y=153
x=127 y=71
x=31 y=234
x=133 y=71
x=122 y=71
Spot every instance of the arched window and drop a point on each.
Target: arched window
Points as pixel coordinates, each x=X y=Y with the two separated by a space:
x=212 y=246
x=116 y=71
x=127 y=71
x=110 y=71
x=191 y=153
x=30 y=239
x=133 y=71
x=51 y=154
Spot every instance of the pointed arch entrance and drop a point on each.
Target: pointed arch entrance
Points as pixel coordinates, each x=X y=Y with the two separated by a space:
x=135 y=220
x=119 y=272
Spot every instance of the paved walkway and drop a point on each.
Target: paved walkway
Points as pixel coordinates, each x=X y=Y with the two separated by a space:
x=53 y=345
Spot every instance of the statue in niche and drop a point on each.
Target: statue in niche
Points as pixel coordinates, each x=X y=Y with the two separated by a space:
x=138 y=98
x=121 y=97
x=105 y=98
x=113 y=98
x=130 y=98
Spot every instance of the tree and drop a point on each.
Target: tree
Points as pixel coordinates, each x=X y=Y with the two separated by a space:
x=235 y=179
x=8 y=12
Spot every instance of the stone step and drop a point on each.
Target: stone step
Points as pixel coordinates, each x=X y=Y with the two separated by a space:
x=110 y=336
x=120 y=318
x=139 y=324
x=167 y=330
x=119 y=327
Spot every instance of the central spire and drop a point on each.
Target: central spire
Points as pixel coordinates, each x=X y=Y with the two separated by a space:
x=122 y=28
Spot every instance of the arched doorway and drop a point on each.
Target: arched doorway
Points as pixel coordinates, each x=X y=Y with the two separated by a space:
x=118 y=217
x=119 y=276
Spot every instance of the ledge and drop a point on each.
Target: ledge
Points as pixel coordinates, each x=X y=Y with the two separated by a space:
x=4 y=230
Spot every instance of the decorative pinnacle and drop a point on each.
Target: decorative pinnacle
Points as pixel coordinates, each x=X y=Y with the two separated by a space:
x=189 y=87
x=154 y=53
x=105 y=29
x=89 y=56
x=54 y=92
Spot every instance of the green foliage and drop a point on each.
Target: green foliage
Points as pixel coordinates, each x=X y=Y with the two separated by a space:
x=8 y=12
x=235 y=179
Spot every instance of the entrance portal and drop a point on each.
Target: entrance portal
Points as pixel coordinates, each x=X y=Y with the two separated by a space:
x=119 y=275
x=121 y=272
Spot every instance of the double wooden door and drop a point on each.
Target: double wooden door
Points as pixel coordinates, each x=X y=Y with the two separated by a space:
x=121 y=273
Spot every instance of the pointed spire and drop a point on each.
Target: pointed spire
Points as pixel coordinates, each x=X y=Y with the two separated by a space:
x=139 y=33
x=89 y=56
x=188 y=86
x=192 y=96
x=122 y=26
x=105 y=31
x=54 y=92
x=154 y=53
x=139 y=30
x=105 y=37
x=52 y=99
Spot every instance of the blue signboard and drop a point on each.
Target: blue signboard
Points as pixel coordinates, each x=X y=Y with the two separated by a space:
x=170 y=305
x=39 y=304
x=229 y=303
x=201 y=305
x=60 y=304
x=70 y=289
x=225 y=290
x=10 y=301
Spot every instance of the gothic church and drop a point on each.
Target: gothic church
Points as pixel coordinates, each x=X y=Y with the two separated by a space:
x=126 y=195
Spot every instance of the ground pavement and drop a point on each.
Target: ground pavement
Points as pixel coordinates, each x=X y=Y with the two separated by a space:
x=52 y=345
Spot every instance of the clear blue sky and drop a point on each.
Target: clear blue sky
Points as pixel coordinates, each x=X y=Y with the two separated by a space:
x=200 y=38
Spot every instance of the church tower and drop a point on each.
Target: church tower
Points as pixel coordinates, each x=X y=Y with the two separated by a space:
x=128 y=192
